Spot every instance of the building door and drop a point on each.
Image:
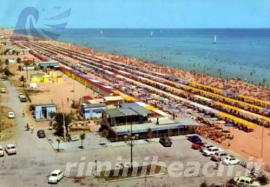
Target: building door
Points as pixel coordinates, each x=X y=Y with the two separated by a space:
x=44 y=112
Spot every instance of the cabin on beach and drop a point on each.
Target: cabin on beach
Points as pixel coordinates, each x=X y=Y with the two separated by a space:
x=92 y=110
x=42 y=111
x=49 y=64
x=88 y=82
x=39 y=77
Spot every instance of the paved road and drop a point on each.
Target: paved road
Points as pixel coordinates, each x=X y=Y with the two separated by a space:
x=35 y=159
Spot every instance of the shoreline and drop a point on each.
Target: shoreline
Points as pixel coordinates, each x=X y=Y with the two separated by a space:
x=154 y=67
x=213 y=63
x=231 y=85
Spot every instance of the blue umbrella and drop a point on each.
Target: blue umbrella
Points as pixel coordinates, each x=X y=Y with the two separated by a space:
x=184 y=106
x=207 y=116
x=229 y=125
x=214 y=119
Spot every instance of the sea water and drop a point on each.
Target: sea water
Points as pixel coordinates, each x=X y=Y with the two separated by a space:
x=241 y=53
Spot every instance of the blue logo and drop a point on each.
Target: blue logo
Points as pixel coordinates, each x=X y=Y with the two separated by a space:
x=28 y=22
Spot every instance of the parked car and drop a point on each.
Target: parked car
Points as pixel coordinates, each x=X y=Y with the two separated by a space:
x=230 y=160
x=205 y=147
x=55 y=176
x=1 y=151
x=210 y=151
x=197 y=145
x=11 y=115
x=21 y=94
x=165 y=141
x=246 y=181
x=218 y=156
x=3 y=90
x=41 y=133
x=11 y=149
x=23 y=98
x=194 y=139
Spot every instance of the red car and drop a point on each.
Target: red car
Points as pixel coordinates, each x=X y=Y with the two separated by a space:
x=198 y=145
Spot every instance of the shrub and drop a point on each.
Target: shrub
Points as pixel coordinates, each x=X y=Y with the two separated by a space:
x=231 y=181
x=263 y=179
x=204 y=184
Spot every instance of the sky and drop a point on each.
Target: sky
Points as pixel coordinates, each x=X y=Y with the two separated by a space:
x=142 y=13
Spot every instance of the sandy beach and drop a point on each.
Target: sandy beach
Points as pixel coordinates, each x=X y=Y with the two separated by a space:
x=249 y=94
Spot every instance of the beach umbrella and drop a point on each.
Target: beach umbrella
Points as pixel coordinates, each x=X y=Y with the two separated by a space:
x=229 y=125
x=189 y=110
x=195 y=111
x=207 y=116
x=221 y=122
x=184 y=107
x=214 y=119
x=201 y=114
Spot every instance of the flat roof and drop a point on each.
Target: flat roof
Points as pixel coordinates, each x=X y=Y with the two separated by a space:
x=127 y=111
x=136 y=108
x=165 y=123
x=114 y=112
x=94 y=105
x=113 y=98
x=45 y=105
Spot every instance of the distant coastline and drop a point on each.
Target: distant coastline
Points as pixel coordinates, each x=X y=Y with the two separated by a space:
x=238 y=53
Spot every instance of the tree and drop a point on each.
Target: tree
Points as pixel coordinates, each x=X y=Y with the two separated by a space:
x=58 y=126
x=82 y=137
x=204 y=184
x=26 y=64
x=22 y=79
x=7 y=72
x=19 y=60
x=6 y=62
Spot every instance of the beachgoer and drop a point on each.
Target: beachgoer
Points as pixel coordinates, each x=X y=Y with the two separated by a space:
x=27 y=126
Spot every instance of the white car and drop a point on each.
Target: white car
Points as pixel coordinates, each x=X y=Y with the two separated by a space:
x=11 y=115
x=205 y=147
x=1 y=151
x=230 y=160
x=210 y=151
x=246 y=181
x=3 y=90
x=11 y=149
x=56 y=176
x=218 y=156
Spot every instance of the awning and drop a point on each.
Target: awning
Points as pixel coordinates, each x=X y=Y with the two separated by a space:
x=128 y=112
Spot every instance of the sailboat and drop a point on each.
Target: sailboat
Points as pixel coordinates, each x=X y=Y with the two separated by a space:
x=215 y=40
x=151 y=34
x=101 y=32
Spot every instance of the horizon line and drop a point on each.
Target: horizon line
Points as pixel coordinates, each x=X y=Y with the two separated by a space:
x=1 y=27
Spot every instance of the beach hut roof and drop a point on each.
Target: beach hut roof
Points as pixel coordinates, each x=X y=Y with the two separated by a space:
x=114 y=112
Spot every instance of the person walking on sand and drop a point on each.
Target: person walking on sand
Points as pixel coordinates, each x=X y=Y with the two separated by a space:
x=27 y=127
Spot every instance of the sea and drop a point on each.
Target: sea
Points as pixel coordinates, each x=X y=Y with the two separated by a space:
x=236 y=53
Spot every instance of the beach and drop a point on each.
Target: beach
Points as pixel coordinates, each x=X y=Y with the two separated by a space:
x=234 y=96
x=238 y=144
